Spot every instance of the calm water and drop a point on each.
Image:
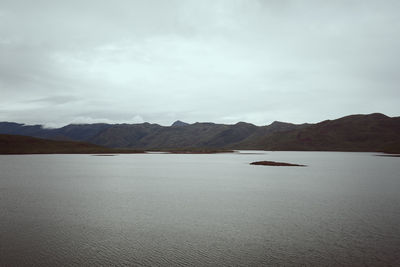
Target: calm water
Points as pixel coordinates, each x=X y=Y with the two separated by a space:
x=205 y=210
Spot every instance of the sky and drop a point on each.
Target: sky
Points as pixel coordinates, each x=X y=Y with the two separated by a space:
x=222 y=61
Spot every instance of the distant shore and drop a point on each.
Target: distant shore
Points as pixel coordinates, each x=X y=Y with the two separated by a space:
x=192 y=151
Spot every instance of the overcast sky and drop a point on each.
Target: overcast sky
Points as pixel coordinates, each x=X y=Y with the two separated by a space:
x=222 y=61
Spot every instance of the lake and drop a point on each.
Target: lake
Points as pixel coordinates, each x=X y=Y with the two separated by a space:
x=200 y=209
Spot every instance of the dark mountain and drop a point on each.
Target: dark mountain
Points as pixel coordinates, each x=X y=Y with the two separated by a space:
x=20 y=129
x=253 y=140
x=77 y=132
x=18 y=144
x=373 y=132
x=179 y=123
x=126 y=135
x=153 y=136
x=232 y=135
x=143 y=136
x=81 y=132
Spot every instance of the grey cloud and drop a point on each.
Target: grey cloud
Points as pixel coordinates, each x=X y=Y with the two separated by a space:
x=60 y=99
x=221 y=61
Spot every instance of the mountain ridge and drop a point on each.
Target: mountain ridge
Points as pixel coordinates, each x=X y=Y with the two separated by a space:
x=358 y=132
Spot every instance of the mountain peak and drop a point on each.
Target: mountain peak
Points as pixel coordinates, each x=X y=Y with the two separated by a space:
x=279 y=124
x=378 y=116
x=179 y=123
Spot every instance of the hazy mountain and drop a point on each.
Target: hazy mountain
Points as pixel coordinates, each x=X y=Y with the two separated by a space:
x=21 y=129
x=373 y=132
x=77 y=132
x=81 y=132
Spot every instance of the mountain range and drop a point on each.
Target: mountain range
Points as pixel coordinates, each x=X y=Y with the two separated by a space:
x=372 y=132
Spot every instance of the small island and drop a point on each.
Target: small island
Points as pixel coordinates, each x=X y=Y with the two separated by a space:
x=273 y=163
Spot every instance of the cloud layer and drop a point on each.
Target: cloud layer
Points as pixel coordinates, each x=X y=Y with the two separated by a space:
x=221 y=61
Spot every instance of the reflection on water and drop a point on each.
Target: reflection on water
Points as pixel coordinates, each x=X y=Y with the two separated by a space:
x=206 y=210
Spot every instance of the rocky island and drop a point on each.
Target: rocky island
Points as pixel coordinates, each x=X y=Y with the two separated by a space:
x=273 y=163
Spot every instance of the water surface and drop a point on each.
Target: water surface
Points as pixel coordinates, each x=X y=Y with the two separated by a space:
x=205 y=210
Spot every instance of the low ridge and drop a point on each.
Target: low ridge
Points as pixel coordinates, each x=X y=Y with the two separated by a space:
x=17 y=144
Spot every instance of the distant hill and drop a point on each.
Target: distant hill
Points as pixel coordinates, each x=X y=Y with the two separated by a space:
x=17 y=144
x=20 y=129
x=373 y=132
x=146 y=135
x=72 y=132
x=254 y=141
x=196 y=135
